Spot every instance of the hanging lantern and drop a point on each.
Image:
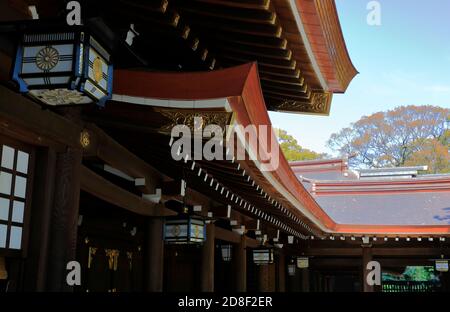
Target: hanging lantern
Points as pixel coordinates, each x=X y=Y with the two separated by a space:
x=291 y=268
x=441 y=265
x=226 y=252
x=263 y=256
x=302 y=262
x=184 y=230
x=63 y=68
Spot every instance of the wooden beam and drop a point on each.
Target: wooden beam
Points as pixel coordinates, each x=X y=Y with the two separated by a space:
x=242 y=4
x=330 y=252
x=252 y=243
x=107 y=191
x=251 y=224
x=39 y=125
x=154 y=6
x=227 y=236
x=171 y=188
x=234 y=238
x=354 y=263
x=220 y=24
x=380 y=252
x=15 y=10
x=220 y=212
x=256 y=51
x=119 y=157
x=171 y=191
x=230 y=15
x=403 y=262
x=406 y=251
x=230 y=37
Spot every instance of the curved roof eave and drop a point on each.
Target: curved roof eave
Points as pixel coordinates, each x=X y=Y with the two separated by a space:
x=240 y=85
x=334 y=69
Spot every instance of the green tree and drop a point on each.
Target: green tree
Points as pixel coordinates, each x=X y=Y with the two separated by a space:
x=292 y=150
x=419 y=273
x=406 y=135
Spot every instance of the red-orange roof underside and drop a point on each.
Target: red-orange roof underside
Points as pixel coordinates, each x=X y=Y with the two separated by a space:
x=240 y=85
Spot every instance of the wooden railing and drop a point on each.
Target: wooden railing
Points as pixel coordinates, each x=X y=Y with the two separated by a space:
x=409 y=286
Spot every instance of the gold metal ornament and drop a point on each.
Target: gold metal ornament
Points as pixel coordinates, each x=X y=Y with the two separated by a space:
x=196 y=231
x=60 y=96
x=113 y=258
x=47 y=58
x=97 y=68
x=176 y=230
x=85 y=139
x=188 y=118
x=92 y=251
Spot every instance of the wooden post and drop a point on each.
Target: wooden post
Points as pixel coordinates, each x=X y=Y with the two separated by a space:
x=263 y=278
x=305 y=279
x=240 y=265
x=208 y=259
x=64 y=218
x=281 y=266
x=37 y=257
x=155 y=255
x=366 y=258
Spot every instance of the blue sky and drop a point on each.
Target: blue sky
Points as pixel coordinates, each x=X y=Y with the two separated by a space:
x=404 y=61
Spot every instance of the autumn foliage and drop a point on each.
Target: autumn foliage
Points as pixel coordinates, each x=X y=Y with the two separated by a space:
x=404 y=136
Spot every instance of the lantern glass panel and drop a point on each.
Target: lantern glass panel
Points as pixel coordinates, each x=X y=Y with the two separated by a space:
x=184 y=230
x=197 y=230
x=441 y=265
x=262 y=256
x=302 y=263
x=291 y=269
x=226 y=252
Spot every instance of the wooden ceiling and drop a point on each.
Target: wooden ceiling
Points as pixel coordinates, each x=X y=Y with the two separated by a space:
x=145 y=135
x=191 y=35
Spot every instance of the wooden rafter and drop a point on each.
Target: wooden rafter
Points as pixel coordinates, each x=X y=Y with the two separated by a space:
x=107 y=191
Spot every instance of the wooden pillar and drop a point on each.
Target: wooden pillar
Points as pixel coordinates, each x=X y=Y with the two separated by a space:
x=155 y=255
x=263 y=278
x=240 y=265
x=320 y=282
x=208 y=259
x=43 y=186
x=366 y=258
x=281 y=268
x=64 y=218
x=305 y=279
x=445 y=280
